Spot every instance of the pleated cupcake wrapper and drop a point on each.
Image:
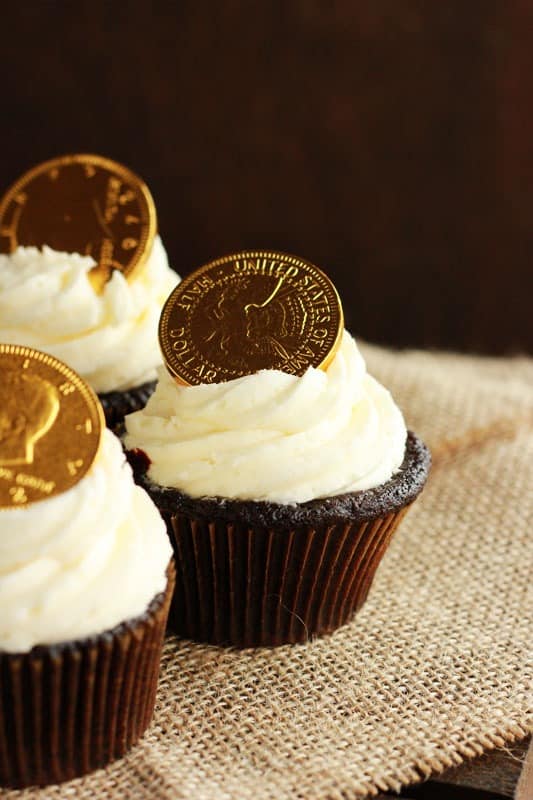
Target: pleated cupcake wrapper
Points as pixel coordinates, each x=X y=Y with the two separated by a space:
x=69 y=709
x=251 y=587
x=117 y=404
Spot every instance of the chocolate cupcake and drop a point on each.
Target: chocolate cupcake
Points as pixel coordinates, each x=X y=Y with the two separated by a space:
x=73 y=707
x=86 y=579
x=280 y=494
x=83 y=275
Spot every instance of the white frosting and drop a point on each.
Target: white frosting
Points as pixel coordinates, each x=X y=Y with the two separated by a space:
x=48 y=302
x=81 y=562
x=273 y=436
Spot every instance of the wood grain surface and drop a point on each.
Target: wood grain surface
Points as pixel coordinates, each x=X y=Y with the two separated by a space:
x=502 y=773
x=390 y=143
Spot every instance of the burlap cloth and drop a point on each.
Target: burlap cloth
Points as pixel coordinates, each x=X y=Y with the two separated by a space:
x=437 y=666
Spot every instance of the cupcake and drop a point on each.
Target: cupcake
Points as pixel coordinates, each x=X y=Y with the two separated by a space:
x=85 y=584
x=83 y=275
x=280 y=491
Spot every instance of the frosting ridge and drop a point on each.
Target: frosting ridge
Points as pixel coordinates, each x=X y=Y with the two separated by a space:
x=273 y=436
x=48 y=302
x=81 y=562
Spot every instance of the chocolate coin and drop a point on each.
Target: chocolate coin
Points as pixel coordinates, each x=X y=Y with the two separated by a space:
x=82 y=204
x=247 y=312
x=50 y=426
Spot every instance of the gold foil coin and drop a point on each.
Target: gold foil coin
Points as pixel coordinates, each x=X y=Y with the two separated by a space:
x=250 y=311
x=82 y=204
x=50 y=426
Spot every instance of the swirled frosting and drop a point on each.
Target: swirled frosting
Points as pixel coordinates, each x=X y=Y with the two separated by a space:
x=48 y=302
x=81 y=562
x=273 y=436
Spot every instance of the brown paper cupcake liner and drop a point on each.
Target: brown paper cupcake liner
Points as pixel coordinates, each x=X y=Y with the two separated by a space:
x=117 y=404
x=253 y=573
x=261 y=586
x=71 y=708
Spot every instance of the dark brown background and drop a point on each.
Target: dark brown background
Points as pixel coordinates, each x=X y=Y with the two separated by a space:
x=391 y=143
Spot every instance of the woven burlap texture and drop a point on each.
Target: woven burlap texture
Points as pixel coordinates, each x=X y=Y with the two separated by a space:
x=436 y=667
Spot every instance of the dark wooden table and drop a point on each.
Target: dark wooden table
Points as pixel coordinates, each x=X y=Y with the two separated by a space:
x=506 y=773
